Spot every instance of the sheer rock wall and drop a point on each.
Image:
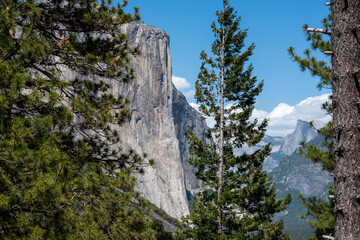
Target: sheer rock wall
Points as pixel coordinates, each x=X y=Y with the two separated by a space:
x=151 y=128
x=157 y=122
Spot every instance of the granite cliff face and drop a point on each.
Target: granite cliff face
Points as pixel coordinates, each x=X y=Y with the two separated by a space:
x=151 y=128
x=160 y=115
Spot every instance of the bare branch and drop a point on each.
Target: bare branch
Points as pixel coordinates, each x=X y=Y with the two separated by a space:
x=319 y=30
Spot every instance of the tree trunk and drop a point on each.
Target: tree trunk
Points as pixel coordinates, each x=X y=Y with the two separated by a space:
x=221 y=144
x=345 y=40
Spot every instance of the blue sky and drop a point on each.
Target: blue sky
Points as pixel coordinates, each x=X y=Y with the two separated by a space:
x=273 y=26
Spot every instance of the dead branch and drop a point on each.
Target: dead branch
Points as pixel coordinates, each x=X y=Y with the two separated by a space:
x=319 y=30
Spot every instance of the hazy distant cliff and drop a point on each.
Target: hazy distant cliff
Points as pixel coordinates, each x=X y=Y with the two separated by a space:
x=186 y=117
x=302 y=133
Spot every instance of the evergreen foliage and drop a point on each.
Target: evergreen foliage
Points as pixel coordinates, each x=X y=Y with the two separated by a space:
x=319 y=209
x=62 y=175
x=243 y=197
x=321 y=214
x=161 y=233
x=317 y=67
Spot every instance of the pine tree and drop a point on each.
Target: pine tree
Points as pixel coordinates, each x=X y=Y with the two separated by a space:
x=237 y=198
x=345 y=42
x=344 y=49
x=61 y=174
x=321 y=212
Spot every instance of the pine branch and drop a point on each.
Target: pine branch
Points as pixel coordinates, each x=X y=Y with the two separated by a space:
x=3 y=159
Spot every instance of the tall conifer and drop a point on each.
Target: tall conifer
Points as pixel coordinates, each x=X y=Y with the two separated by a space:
x=61 y=175
x=345 y=42
x=237 y=198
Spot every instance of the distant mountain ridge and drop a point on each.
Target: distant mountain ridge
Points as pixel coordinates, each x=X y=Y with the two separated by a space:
x=284 y=146
x=293 y=173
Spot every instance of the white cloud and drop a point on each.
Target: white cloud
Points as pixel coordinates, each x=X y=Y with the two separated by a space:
x=259 y=114
x=281 y=110
x=189 y=94
x=283 y=118
x=180 y=83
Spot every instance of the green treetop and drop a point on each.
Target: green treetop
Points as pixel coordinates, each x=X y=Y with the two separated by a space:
x=237 y=198
x=61 y=174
